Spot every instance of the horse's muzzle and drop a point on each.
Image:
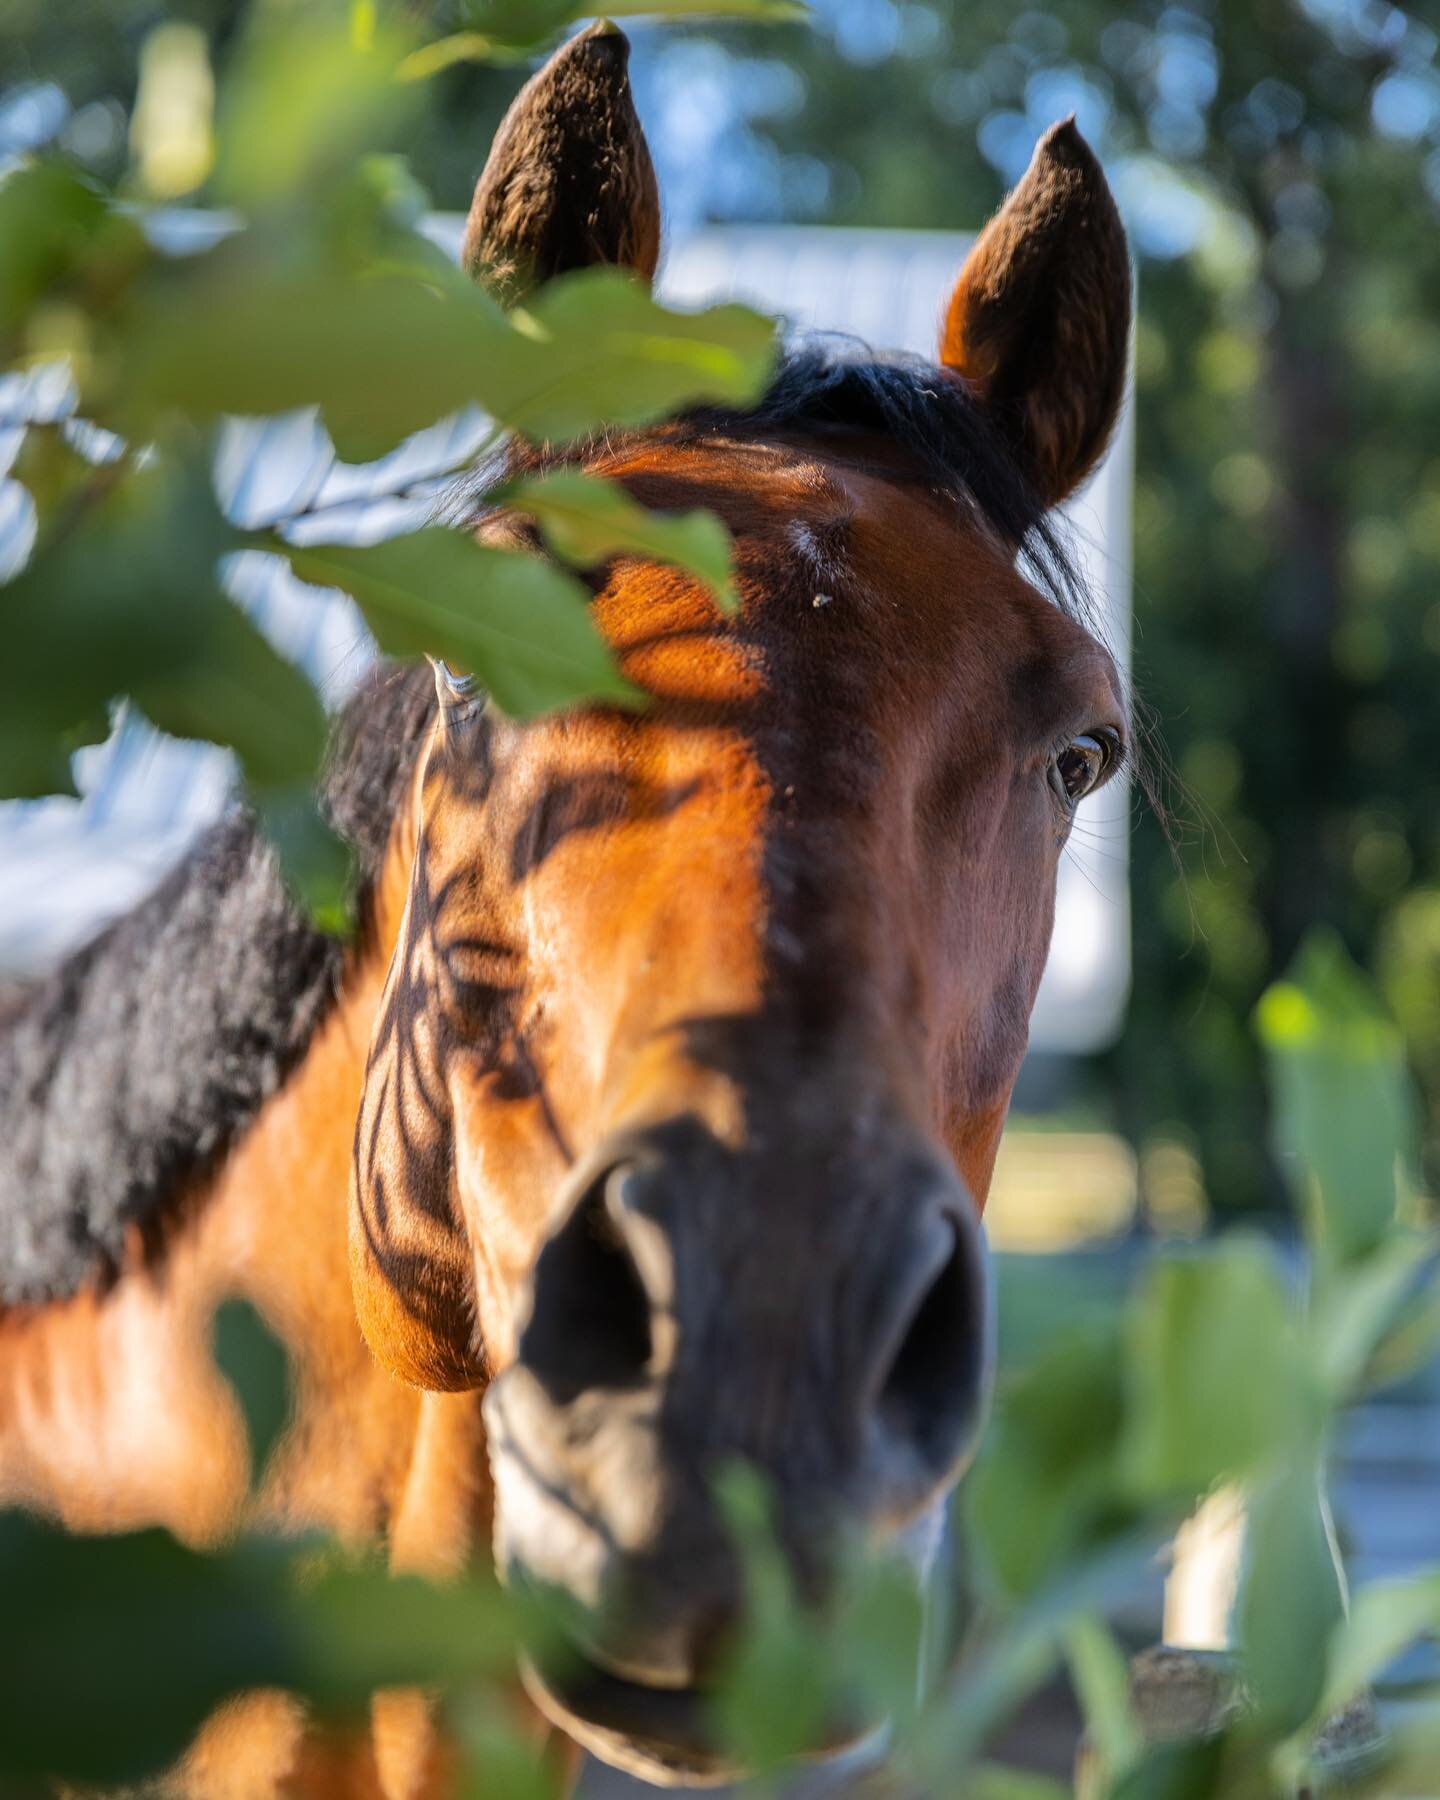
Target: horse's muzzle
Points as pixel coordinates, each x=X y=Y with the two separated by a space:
x=825 y=1321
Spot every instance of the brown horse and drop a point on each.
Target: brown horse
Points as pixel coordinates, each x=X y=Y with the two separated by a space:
x=647 y=1122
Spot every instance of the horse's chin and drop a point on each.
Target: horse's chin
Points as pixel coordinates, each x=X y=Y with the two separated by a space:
x=662 y=1735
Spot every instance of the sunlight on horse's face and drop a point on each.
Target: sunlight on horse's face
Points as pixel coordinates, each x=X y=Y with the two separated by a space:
x=700 y=999
x=691 y=1066
x=810 y=888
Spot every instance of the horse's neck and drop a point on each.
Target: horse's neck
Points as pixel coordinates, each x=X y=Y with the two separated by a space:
x=112 y=1414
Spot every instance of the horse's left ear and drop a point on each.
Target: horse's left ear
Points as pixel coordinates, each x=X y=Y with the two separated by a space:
x=1039 y=321
x=569 y=183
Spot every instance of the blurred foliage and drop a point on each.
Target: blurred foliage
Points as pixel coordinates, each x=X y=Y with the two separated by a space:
x=1109 y=1426
x=321 y=293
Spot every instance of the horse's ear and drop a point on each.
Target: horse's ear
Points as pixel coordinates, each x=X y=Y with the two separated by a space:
x=1039 y=321
x=569 y=183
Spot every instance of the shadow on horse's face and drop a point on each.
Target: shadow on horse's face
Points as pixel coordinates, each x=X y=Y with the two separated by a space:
x=703 y=1020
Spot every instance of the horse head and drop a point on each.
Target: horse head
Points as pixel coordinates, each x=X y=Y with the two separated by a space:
x=703 y=1018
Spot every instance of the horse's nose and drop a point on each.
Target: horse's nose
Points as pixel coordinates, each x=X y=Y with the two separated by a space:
x=925 y=1351
x=709 y=1276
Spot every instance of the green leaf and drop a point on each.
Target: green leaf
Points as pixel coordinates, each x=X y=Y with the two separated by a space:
x=316 y=862
x=49 y=218
x=777 y=12
x=129 y=605
x=503 y=27
x=771 y=1694
x=521 y=626
x=588 y=520
x=303 y=100
x=384 y=354
x=253 y=1361
x=237 y=690
x=1385 y=1618
x=991 y=1781
x=1001 y=1669
x=117 y=1648
x=603 y=350
x=1045 y=1486
x=1353 y=1314
x=459 y=47
x=1216 y=1378
x=126 y=599
x=1345 y=1118
x=1290 y=1599
x=1178 y=1772
x=1102 y=1681
x=1405 y=1764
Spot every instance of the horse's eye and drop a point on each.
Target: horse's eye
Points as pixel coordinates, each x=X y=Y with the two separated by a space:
x=1080 y=765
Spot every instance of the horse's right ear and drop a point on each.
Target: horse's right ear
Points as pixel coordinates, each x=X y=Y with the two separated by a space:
x=1039 y=322
x=569 y=183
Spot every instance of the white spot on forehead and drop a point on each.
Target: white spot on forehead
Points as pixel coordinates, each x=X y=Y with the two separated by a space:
x=819 y=551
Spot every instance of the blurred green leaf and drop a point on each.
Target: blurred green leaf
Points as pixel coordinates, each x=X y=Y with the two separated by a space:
x=587 y=520
x=771 y=1696
x=50 y=215
x=315 y=861
x=385 y=354
x=1217 y=1383
x=1007 y=1663
x=1351 y=1318
x=128 y=597
x=778 y=12
x=1344 y=1110
x=989 y=1781
x=1290 y=1600
x=237 y=690
x=1406 y=1764
x=381 y=357
x=253 y=1360
x=1101 y=1677
x=499 y=1752
x=117 y=1648
x=1041 y=1297
x=1410 y=1343
x=503 y=27
x=522 y=627
x=128 y=604
x=604 y=351
x=303 y=100
x=1177 y=1772
x=1045 y=1486
x=1385 y=1618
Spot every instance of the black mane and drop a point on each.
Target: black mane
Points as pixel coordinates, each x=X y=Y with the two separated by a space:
x=130 y=1071
x=133 y=1067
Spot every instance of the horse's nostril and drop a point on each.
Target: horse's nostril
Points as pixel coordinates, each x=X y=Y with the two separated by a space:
x=589 y=1324
x=934 y=1386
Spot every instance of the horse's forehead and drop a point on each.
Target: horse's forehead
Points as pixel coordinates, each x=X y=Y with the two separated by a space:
x=805 y=516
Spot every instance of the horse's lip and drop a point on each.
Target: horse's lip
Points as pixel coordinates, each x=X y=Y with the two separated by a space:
x=664 y=1735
